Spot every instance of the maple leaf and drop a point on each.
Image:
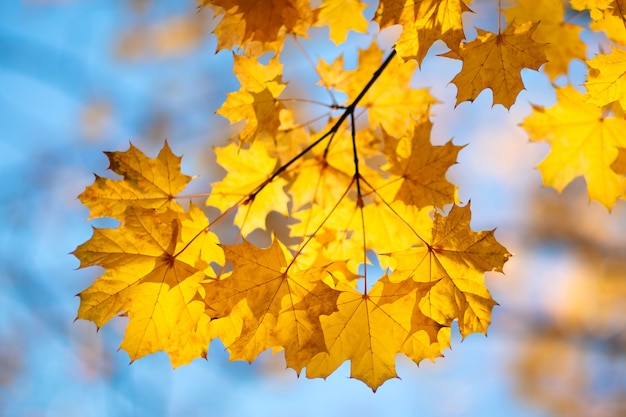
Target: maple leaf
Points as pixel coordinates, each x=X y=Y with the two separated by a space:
x=246 y=170
x=606 y=81
x=341 y=16
x=419 y=168
x=254 y=77
x=347 y=230
x=284 y=305
x=583 y=142
x=424 y=22
x=325 y=176
x=260 y=25
x=607 y=16
x=495 y=60
x=256 y=101
x=155 y=263
x=330 y=211
x=320 y=183
x=562 y=39
x=456 y=258
x=333 y=74
x=371 y=329
x=146 y=182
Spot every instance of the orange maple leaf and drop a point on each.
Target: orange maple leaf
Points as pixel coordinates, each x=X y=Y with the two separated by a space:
x=495 y=60
x=146 y=182
x=260 y=25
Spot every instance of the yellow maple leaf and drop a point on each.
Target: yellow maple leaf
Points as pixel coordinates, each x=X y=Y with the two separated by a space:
x=341 y=16
x=260 y=111
x=346 y=231
x=254 y=77
x=418 y=168
x=370 y=329
x=606 y=81
x=584 y=142
x=595 y=7
x=612 y=26
x=562 y=39
x=283 y=305
x=333 y=74
x=246 y=170
x=608 y=17
x=495 y=61
x=155 y=263
x=456 y=258
x=424 y=22
x=260 y=25
x=324 y=177
x=329 y=210
x=318 y=183
x=146 y=182
x=256 y=101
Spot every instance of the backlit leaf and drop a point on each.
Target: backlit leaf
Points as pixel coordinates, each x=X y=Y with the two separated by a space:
x=370 y=329
x=583 y=141
x=146 y=182
x=424 y=22
x=456 y=258
x=341 y=16
x=246 y=169
x=495 y=61
x=284 y=305
x=154 y=265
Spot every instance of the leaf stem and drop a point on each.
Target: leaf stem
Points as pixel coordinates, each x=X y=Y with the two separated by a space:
x=359 y=198
x=319 y=227
x=349 y=111
x=499 y=15
x=319 y=103
x=402 y=219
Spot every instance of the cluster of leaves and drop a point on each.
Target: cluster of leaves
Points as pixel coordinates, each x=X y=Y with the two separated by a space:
x=353 y=193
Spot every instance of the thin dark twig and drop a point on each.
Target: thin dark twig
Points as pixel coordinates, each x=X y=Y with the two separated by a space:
x=347 y=112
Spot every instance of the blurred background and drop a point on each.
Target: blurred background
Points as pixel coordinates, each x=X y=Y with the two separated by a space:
x=81 y=77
